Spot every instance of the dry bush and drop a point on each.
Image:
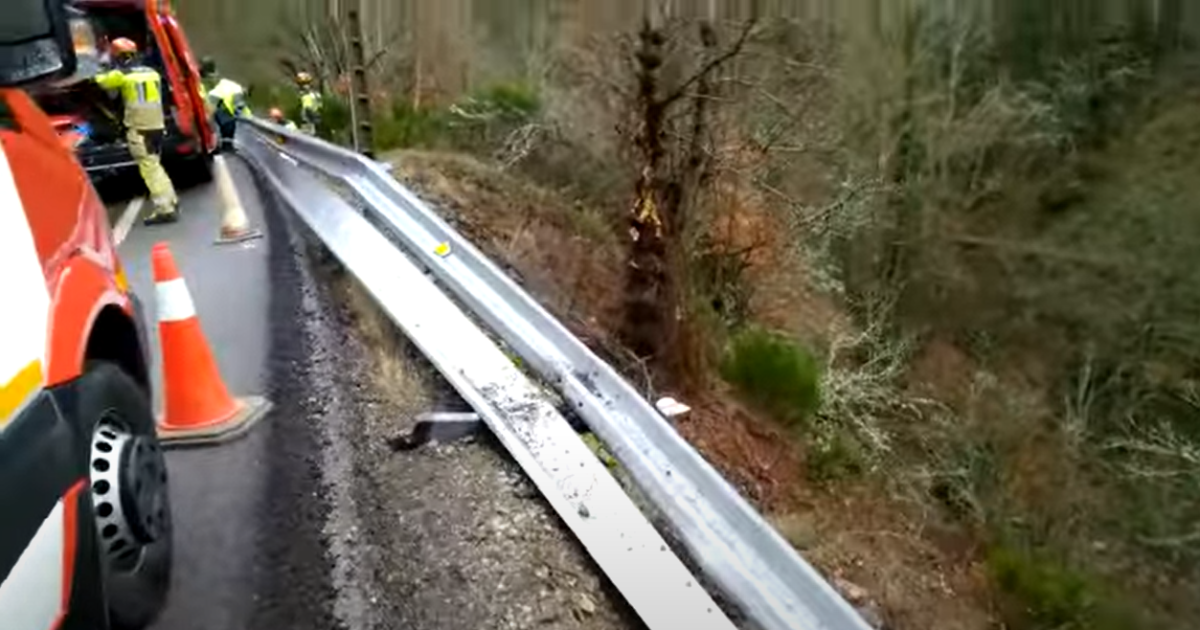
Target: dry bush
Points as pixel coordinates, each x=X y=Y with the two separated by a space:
x=934 y=192
x=577 y=150
x=965 y=204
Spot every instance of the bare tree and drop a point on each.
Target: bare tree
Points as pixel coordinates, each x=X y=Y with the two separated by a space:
x=673 y=144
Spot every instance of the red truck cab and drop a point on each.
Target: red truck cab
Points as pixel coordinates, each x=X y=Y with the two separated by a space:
x=89 y=120
x=86 y=531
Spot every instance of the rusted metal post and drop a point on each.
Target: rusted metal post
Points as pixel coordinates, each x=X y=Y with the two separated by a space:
x=361 y=93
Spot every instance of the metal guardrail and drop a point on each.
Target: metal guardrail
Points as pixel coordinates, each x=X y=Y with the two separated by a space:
x=628 y=549
x=748 y=561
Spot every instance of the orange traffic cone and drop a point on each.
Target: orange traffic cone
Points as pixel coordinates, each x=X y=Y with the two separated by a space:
x=199 y=409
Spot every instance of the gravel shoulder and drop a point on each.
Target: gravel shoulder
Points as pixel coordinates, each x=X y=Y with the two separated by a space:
x=445 y=536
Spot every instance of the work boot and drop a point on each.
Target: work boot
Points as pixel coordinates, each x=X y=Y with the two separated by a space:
x=162 y=216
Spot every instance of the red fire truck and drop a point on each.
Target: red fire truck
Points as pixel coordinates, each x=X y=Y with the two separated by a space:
x=85 y=531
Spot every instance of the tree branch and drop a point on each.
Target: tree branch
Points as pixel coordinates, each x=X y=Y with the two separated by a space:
x=712 y=65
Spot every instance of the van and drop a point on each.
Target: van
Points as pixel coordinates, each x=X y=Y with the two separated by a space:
x=86 y=530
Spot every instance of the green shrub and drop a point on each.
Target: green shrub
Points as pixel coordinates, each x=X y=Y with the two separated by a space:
x=773 y=373
x=511 y=102
x=1051 y=594
x=483 y=121
x=476 y=123
x=335 y=118
x=405 y=126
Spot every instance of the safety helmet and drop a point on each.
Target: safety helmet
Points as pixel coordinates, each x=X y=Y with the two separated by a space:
x=303 y=78
x=275 y=113
x=123 y=46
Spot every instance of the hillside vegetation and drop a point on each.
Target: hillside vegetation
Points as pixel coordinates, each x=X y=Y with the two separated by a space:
x=924 y=271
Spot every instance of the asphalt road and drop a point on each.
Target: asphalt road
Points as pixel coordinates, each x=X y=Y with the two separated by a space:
x=216 y=492
x=311 y=522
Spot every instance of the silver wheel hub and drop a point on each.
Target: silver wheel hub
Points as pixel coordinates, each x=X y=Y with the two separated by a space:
x=128 y=478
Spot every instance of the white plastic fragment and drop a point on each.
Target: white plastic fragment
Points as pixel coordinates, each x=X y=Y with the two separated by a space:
x=671 y=408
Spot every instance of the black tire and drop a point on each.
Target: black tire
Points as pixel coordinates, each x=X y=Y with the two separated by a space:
x=201 y=169
x=137 y=591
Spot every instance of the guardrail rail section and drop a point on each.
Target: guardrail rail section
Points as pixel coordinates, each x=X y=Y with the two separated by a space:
x=398 y=264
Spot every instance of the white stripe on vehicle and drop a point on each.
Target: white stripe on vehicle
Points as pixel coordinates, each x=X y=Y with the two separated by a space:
x=174 y=301
x=31 y=596
x=26 y=311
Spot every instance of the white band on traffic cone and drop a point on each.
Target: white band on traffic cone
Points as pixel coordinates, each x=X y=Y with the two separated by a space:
x=174 y=301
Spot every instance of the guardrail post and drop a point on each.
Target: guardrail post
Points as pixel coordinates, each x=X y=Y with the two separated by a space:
x=362 y=95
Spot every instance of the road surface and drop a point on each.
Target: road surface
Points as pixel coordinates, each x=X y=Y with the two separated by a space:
x=312 y=521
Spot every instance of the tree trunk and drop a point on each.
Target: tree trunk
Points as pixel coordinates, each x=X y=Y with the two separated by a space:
x=647 y=295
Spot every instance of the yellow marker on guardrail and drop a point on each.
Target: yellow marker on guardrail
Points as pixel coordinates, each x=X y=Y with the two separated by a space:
x=443 y=249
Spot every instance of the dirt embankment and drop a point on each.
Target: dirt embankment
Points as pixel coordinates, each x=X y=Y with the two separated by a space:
x=882 y=555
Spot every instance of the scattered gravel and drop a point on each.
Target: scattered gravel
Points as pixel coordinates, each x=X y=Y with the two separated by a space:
x=445 y=536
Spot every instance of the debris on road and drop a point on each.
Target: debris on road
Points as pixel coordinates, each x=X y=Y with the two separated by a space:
x=435 y=428
x=451 y=535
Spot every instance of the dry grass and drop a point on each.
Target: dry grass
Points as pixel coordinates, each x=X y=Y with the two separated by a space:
x=396 y=377
x=919 y=576
x=562 y=250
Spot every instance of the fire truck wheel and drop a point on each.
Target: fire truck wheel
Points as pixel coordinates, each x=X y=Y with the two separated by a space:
x=129 y=495
x=195 y=170
x=204 y=169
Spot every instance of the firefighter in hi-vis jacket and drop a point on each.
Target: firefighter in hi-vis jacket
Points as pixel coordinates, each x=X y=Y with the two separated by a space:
x=310 y=104
x=141 y=93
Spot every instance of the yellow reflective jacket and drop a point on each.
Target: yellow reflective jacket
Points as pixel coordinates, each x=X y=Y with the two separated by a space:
x=141 y=91
x=310 y=104
x=231 y=96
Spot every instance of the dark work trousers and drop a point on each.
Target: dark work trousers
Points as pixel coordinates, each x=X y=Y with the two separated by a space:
x=227 y=126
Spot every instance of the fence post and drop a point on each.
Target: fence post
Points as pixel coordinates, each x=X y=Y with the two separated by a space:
x=361 y=94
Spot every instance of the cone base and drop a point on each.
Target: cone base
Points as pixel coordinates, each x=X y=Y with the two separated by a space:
x=251 y=409
x=234 y=238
